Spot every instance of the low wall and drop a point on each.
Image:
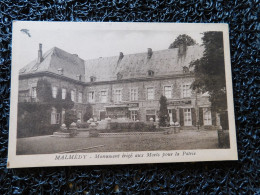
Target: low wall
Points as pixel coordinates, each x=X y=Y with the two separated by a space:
x=130 y=133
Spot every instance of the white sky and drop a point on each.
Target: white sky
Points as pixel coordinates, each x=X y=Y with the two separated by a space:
x=89 y=44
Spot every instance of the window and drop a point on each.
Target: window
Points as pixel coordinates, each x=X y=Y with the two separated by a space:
x=54 y=92
x=150 y=73
x=73 y=95
x=55 y=117
x=150 y=114
x=62 y=116
x=150 y=93
x=207 y=116
x=79 y=115
x=34 y=93
x=133 y=94
x=80 y=97
x=118 y=95
x=133 y=114
x=103 y=95
x=63 y=93
x=185 y=69
x=187 y=117
x=91 y=96
x=168 y=92
x=186 y=91
x=78 y=77
x=119 y=76
x=92 y=79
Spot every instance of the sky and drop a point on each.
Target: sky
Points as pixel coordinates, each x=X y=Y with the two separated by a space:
x=90 y=44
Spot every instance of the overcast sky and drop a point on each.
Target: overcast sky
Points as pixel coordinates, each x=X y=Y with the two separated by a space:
x=89 y=44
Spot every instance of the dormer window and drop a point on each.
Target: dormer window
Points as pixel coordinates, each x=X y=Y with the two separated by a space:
x=60 y=71
x=150 y=73
x=185 y=70
x=119 y=76
x=79 y=77
x=92 y=79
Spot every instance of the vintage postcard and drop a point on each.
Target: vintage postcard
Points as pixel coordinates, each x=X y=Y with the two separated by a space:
x=120 y=93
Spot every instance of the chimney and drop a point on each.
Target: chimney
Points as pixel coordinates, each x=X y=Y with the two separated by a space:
x=121 y=55
x=40 y=54
x=149 y=53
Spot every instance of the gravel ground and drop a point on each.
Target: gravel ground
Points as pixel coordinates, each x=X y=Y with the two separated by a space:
x=184 y=140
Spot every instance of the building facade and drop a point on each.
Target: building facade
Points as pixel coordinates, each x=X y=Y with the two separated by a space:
x=124 y=86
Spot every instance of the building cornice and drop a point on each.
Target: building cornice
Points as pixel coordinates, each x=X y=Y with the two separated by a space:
x=140 y=79
x=50 y=74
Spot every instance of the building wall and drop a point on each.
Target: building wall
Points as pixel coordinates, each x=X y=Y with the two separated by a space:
x=27 y=84
x=143 y=103
x=177 y=103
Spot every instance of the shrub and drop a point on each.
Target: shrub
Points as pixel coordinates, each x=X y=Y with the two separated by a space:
x=131 y=126
x=34 y=120
x=114 y=126
x=82 y=125
x=89 y=112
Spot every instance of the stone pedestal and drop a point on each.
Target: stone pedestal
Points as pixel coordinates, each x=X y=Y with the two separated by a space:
x=73 y=129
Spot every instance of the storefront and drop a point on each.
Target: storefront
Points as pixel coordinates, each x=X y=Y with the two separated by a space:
x=129 y=110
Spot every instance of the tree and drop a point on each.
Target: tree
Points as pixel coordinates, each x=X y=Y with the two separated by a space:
x=68 y=103
x=163 y=112
x=209 y=71
x=89 y=112
x=184 y=40
x=70 y=117
x=58 y=102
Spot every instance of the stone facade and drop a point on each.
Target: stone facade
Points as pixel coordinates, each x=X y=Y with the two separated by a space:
x=123 y=96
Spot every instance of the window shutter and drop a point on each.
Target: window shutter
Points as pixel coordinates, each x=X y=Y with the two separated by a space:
x=99 y=96
x=213 y=115
x=181 y=117
x=174 y=117
x=201 y=116
x=193 y=116
x=181 y=95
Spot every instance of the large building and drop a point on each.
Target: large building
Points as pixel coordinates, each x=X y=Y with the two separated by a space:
x=123 y=86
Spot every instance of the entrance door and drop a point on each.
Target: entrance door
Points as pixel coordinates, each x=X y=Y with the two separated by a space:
x=187 y=117
x=102 y=115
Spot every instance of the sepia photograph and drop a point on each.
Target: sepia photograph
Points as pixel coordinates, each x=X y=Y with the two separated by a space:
x=120 y=93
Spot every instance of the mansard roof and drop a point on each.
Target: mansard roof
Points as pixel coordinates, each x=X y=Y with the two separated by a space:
x=56 y=61
x=162 y=63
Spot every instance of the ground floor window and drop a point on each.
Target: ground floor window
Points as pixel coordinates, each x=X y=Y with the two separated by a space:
x=62 y=116
x=79 y=116
x=187 y=117
x=133 y=115
x=55 y=117
x=207 y=116
x=34 y=94
x=150 y=114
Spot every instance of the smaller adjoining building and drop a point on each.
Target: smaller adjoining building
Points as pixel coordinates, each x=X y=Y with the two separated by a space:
x=123 y=86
